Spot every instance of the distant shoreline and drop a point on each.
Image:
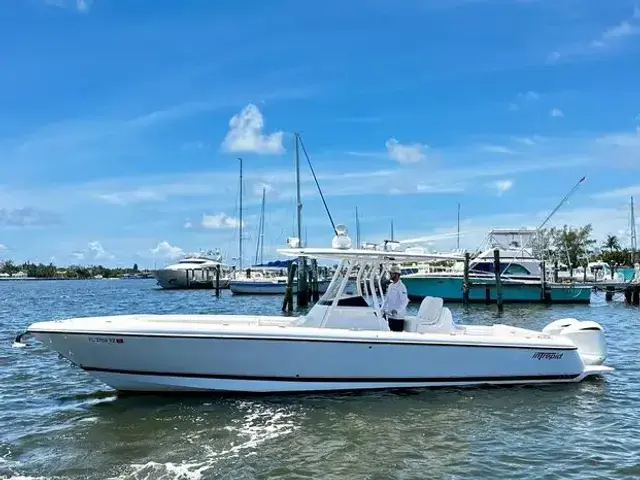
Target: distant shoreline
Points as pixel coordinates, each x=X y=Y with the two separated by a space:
x=31 y=279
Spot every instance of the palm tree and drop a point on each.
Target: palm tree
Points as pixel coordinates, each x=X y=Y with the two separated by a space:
x=612 y=243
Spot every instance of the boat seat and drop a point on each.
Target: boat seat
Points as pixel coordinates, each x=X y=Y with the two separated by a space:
x=429 y=313
x=444 y=324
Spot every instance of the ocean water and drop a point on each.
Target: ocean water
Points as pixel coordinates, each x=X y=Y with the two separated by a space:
x=57 y=422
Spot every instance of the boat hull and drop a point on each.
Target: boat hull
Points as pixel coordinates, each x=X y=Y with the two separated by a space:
x=188 y=279
x=450 y=290
x=245 y=362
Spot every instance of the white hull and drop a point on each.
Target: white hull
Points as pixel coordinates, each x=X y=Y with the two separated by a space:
x=188 y=279
x=255 y=354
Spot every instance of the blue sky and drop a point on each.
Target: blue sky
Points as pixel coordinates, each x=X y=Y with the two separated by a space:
x=121 y=121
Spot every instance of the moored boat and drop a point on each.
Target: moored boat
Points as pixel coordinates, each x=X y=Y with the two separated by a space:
x=342 y=343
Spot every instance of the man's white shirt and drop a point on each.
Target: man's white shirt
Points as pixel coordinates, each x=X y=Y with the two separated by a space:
x=396 y=299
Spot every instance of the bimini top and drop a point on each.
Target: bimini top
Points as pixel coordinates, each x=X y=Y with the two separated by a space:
x=364 y=254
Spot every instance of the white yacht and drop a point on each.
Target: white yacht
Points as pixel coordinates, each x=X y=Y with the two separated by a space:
x=342 y=343
x=194 y=271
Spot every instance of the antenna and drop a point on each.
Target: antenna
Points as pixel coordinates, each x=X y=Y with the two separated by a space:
x=634 y=242
x=357 y=229
x=392 y=239
x=458 y=233
x=564 y=199
x=240 y=238
x=298 y=200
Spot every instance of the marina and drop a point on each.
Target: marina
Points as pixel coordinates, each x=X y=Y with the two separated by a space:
x=62 y=413
x=355 y=240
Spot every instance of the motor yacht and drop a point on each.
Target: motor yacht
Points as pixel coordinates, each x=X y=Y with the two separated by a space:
x=194 y=271
x=342 y=343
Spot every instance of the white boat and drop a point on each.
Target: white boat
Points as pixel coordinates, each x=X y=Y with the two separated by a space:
x=268 y=286
x=343 y=343
x=194 y=271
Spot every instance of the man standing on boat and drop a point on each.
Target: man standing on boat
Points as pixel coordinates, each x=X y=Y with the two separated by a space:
x=396 y=301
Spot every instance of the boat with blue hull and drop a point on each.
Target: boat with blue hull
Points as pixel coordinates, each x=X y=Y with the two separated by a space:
x=484 y=289
x=520 y=275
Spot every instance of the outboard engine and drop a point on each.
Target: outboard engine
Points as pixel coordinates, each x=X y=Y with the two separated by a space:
x=588 y=336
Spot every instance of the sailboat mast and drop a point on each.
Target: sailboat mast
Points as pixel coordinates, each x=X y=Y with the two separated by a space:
x=634 y=241
x=392 y=237
x=240 y=237
x=458 y=236
x=264 y=192
x=298 y=199
x=357 y=229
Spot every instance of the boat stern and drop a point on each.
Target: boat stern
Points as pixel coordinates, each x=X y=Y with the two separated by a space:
x=587 y=335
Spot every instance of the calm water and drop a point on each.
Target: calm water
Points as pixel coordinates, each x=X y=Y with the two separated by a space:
x=56 y=422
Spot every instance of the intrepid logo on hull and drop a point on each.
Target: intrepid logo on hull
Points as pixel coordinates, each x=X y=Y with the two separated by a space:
x=547 y=355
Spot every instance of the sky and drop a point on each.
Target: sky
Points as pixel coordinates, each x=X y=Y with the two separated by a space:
x=122 y=121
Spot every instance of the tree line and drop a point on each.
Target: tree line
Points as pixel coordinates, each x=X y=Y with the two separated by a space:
x=575 y=247
x=40 y=270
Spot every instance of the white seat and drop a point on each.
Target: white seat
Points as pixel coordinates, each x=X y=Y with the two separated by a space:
x=429 y=313
x=444 y=324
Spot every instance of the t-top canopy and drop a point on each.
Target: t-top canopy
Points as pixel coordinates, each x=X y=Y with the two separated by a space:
x=364 y=254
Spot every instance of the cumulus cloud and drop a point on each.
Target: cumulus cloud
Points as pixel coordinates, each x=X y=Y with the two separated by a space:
x=406 y=153
x=188 y=224
x=165 y=250
x=556 y=112
x=245 y=134
x=502 y=186
x=94 y=251
x=27 y=217
x=219 y=221
x=3 y=248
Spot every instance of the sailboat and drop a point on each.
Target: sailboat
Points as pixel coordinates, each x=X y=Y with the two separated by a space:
x=266 y=279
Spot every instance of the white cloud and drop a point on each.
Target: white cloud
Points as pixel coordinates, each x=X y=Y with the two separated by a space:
x=502 y=186
x=260 y=186
x=134 y=196
x=245 y=134
x=497 y=149
x=3 y=248
x=220 y=220
x=620 y=193
x=79 y=5
x=604 y=42
x=408 y=153
x=165 y=250
x=513 y=107
x=530 y=95
x=556 y=112
x=530 y=141
x=188 y=224
x=98 y=252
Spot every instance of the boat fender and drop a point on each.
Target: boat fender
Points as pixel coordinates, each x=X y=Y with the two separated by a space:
x=589 y=337
x=555 y=327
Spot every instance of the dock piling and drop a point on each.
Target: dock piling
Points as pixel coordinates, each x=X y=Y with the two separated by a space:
x=465 y=283
x=315 y=289
x=555 y=271
x=544 y=295
x=496 y=269
x=217 y=280
x=303 y=284
x=287 y=302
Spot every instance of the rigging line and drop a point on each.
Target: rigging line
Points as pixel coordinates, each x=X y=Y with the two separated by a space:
x=304 y=150
x=564 y=199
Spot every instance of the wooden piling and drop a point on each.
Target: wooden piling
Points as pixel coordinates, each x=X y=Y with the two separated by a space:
x=217 y=280
x=608 y=296
x=543 y=282
x=315 y=287
x=466 y=285
x=555 y=271
x=496 y=269
x=303 y=284
x=635 y=296
x=287 y=302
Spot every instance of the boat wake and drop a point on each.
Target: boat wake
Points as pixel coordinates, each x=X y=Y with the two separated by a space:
x=261 y=423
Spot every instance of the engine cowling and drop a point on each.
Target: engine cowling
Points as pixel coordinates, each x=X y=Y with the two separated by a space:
x=587 y=335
